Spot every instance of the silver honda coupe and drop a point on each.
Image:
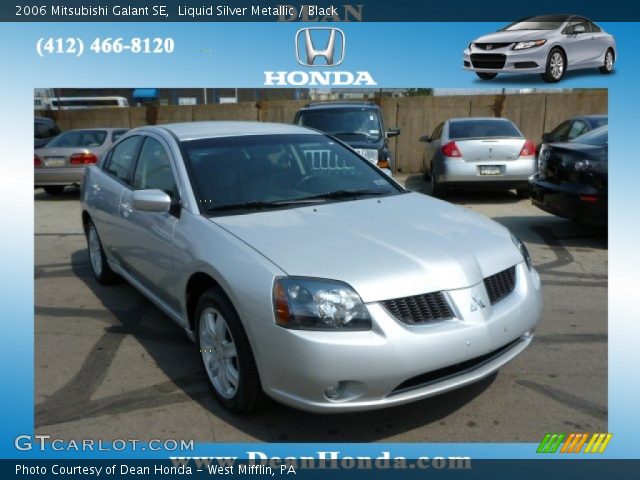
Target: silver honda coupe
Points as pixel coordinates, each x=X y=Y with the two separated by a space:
x=546 y=44
x=302 y=271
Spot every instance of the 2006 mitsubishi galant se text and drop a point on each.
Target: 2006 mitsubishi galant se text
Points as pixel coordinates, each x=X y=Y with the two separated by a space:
x=314 y=279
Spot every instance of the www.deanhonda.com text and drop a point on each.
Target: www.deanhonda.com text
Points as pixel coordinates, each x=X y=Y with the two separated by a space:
x=322 y=460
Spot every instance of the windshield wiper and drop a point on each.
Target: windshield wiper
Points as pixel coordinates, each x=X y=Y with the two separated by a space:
x=346 y=194
x=259 y=204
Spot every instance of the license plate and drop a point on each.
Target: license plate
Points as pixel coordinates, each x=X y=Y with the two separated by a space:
x=54 y=162
x=490 y=170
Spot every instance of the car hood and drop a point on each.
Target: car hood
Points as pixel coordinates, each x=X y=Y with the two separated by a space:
x=385 y=248
x=514 y=36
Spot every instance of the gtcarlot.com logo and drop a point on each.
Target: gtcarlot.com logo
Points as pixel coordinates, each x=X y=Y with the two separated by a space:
x=574 y=443
x=319 y=47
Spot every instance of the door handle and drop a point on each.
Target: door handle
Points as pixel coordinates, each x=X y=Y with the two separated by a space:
x=95 y=187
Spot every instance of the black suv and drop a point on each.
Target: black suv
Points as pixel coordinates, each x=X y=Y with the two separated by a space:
x=44 y=130
x=358 y=124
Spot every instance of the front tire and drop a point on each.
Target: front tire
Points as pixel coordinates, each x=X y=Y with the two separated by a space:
x=609 y=58
x=556 y=66
x=486 y=76
x=98 y=260
x=226 y=354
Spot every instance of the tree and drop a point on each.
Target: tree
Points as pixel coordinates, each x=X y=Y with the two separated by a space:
x=417 y=92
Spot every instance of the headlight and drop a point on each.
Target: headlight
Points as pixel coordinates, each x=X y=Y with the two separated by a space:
x=523 y=250
x=530 y=44
x=582 y=166
x=369 y=153
x=470 y=45
x=317 y=304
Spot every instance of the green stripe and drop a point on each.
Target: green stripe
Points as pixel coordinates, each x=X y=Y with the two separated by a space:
x=543 y=443
x=550 y=443
x=557 y=444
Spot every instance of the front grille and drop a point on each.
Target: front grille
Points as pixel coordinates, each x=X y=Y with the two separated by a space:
x=488 y=60
x=445 y=373
x=491 y=46
x=419 y=309
x=501 y=284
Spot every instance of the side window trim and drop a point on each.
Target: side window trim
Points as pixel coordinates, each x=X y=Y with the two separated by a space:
x=136 y=154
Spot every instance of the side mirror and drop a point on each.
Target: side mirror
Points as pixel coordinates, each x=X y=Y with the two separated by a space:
x=151 y=201
x=393 y=132
x=546 y=137
x=579 y=29
x=424 y=138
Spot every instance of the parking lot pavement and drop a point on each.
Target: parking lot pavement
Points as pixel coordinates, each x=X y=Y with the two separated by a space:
x=108 y=364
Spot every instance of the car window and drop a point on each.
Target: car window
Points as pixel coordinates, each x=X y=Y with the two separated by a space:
x=122 y=159
x=437 y=133
x=561 y=131
x=267 y=168
x=578 y=128
x=540 y=22
x=153 y=170
x=348 y=124
x=483 y=129
x=79 y=138
x=116 y=134
x=594 y=28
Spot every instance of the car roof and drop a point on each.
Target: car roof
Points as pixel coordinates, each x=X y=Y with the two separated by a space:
x=467 y=119
x=589 y=117
x=106 y=129
x=340 y=105
x=216 y=129
x=44 y=120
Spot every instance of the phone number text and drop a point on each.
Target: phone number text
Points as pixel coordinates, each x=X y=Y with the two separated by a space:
x=76 y=46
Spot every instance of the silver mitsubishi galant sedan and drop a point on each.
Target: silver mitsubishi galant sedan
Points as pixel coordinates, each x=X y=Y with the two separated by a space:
x=546 y=44
x=314 y=279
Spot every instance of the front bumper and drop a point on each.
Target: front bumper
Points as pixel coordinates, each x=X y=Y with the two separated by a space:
x=297 y=366
x=57 y=176
x=505 y=60
x=580 y=203
x=513 y=173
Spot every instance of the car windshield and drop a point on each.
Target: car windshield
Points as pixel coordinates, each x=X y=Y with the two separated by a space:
x=542 y=22
x=598 y=137
x=348 y=124
x=459 y=130
x=252 y=172
x=79 y=138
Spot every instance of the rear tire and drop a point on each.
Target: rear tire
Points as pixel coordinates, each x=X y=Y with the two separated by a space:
x=54 y=189
x=609 y=58
x=97 y=258
x=437 y=190
x=556 y=66
x=486 y=76
x=226 y=354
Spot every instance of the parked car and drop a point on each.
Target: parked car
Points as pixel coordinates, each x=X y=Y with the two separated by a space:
x=573 y=128
x=545 y=44
x=44 y=130
x=478 y=153
x=572 y=181
x=326 y=286
x=63 y=160
x=358 y=124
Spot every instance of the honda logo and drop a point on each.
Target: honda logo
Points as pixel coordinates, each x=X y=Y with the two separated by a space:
x=489 y=46
x=312 y=45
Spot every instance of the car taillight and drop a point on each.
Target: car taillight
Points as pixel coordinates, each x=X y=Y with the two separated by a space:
x=83 y=159
x=528 y=149
x=37 y=161
x=451 y=150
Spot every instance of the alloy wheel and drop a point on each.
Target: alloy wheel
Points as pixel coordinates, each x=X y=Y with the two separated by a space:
x=95 y=251
x=219 y=353
x=557 y=65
